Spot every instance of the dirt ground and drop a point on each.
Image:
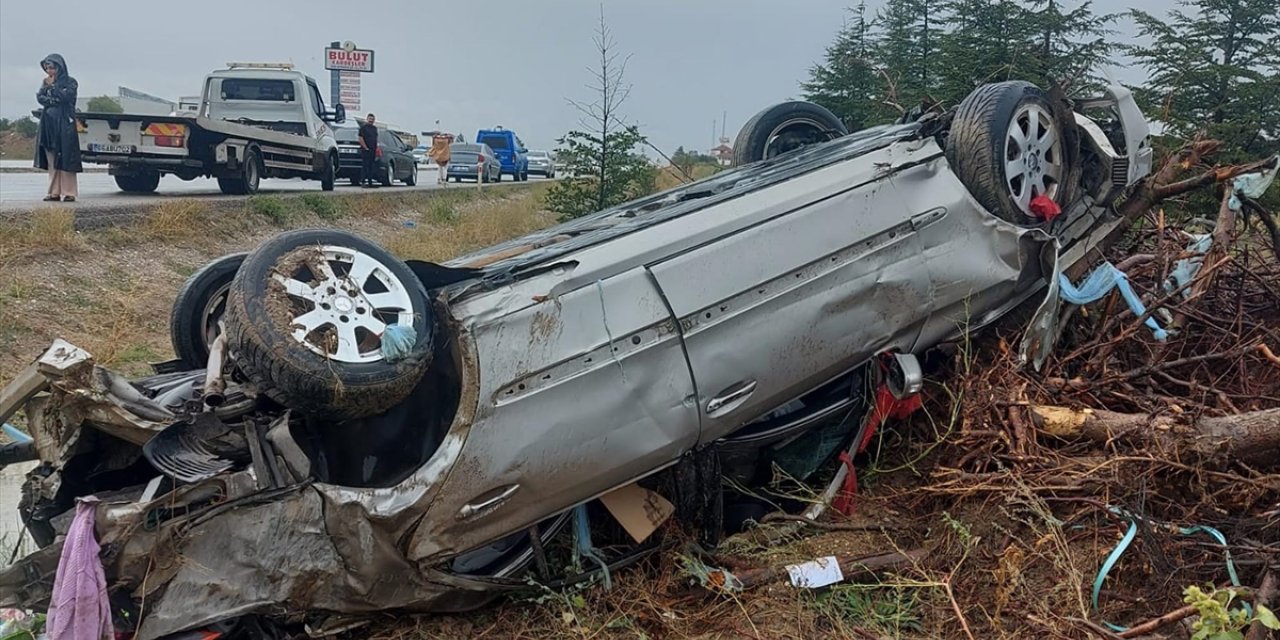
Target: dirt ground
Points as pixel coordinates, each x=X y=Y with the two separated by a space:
x=1015 y=523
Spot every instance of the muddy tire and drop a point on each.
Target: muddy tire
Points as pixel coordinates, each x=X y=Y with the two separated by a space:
x=201 y=302
x=305 y=320
x=1006 y=147
x=785 y=127
x=330 y=177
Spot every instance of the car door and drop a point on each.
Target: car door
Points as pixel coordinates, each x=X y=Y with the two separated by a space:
x=772 y=310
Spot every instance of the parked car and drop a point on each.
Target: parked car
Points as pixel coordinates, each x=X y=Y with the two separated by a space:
x=465 y=158
x=542 y=164
x=395 y=159
x=510 y=149
x=371 y=435
x=420 y=154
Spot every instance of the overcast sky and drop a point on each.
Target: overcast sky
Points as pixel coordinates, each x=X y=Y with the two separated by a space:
x=467 y=64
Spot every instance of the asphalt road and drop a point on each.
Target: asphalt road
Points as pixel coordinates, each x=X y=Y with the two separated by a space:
x=24 y=191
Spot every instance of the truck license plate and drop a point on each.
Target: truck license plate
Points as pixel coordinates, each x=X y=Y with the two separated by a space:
x=110 y=148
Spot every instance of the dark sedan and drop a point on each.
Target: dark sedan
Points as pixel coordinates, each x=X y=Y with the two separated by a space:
x=395 y=159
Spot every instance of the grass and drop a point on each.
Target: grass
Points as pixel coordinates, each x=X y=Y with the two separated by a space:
x=324 y=207
x=456 y=227
x=175 y=219
x=272 y=208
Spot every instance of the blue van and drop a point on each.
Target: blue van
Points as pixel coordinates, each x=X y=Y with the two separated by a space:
x=510 y=149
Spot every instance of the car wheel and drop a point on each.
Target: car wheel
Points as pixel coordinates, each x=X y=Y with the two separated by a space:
x=1007 y=148
x=389 y=174
x=785 y=127
x=306 y=318
x=201 y=303
x=412 y=180
x=330 y=177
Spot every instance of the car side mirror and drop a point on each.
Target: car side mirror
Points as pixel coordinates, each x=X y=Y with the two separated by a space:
x=339 y=114
x=524 y=151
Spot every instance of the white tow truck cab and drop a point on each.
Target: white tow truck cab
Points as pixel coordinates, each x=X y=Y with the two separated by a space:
x=254 y=121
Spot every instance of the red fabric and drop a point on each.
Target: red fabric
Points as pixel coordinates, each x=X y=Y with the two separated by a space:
x=1045 y=208
x=886 y=407
x=378 y=153
x=843 y=501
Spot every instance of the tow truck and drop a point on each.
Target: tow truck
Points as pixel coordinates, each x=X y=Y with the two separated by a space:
x=254 y=120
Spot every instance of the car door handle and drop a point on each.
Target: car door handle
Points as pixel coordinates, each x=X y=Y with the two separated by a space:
x=731 y=396
x=484 y=503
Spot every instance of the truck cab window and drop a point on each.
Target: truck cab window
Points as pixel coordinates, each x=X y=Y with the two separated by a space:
x=317 y=101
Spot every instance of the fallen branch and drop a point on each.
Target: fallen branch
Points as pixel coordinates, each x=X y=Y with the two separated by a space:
x=1156 y=623
x=1266 y=593
x=851 y=568
x=1252 y=438
x=825 y=526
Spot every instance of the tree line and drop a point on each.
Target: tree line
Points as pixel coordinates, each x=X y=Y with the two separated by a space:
x=1212 y=66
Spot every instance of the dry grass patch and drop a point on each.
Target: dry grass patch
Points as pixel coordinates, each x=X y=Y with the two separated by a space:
x=49 y=229
x=449 y=230
x=176 y=220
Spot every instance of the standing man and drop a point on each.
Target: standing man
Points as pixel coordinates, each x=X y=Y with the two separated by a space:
x=58 y=143
x=368 y=151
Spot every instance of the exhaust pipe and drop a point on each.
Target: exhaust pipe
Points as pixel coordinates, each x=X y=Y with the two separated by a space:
x=215 y=385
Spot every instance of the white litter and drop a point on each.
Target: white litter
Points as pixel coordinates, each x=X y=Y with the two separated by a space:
x=815 y=574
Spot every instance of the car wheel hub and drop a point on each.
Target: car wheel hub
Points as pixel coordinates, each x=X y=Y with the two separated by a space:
x=343 y=301
x=1033 y=156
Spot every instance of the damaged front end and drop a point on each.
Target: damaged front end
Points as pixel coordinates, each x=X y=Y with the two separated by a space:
x=244 y=518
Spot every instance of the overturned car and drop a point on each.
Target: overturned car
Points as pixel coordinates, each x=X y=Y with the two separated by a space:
x=345 y=433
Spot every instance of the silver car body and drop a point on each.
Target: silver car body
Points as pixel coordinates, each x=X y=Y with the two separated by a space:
x=599 y=351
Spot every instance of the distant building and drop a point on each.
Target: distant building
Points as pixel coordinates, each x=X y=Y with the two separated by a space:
x=723 y=153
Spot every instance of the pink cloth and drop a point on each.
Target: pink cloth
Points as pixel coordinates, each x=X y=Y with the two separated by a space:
x=79 y=609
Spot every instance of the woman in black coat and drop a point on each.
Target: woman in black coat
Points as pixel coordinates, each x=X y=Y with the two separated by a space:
x=59 y=144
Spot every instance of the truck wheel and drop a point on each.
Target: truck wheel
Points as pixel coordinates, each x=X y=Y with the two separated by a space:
x=1007 y=148
x=245 y=183
x=330 y=176
x=306 y=316
x=201 y=303
x=785 y=127
x=139 y=183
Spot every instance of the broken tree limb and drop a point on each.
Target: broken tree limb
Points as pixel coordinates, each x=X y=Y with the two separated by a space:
x=826 y=526
x=1252 y=438
x=1156 y=623
x=1266 y=594
x=1264 y=216
x=851 y=567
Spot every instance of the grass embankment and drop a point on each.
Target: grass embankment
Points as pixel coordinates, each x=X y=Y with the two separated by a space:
x=110 y=290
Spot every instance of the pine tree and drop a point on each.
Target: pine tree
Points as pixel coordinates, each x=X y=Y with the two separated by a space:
x=988 y=42
x=846 y=82
x=909 y=49
x=1215 y=68
x=1068 y=47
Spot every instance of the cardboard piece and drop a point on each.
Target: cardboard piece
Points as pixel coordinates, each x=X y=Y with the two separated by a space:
x=639 y=510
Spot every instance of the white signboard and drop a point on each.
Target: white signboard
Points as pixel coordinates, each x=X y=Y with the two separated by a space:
x=358 y=60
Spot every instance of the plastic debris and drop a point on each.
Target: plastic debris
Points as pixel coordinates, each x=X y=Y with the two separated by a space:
x=16 y=624
x=1185 y=269
x=1099 y=283
x=1045 y=208
x=79 y=608
x=816 y=574
x=1252 y=185
x=397 y=342
x=17 y=435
